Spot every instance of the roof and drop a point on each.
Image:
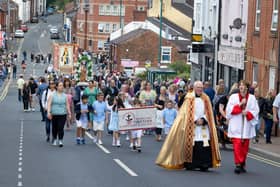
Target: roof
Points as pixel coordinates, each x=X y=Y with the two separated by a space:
x=128 y=36
x=185 y=8
x=182 y=45
x=174 y=29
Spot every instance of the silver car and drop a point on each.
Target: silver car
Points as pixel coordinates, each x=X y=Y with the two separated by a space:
x=19 y=34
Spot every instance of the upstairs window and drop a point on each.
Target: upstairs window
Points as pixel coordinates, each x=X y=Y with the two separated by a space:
x=166 y=54
x=258 y=15
x=274 y=21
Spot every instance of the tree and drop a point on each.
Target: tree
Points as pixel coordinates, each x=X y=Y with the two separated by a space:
x=183 y=69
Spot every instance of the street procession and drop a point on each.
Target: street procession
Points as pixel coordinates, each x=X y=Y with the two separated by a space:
x=147 y=93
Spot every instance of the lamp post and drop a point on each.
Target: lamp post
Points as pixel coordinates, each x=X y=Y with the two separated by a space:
x=86 y=9
x=160 y=35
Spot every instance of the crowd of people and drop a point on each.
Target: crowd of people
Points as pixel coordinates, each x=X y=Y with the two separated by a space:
x=92 y=107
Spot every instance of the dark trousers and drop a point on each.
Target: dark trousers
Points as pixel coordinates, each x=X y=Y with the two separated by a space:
x=268 y=129
x=42 y=111
x=48 y=124
x=19 y=95
x=58 y=122
x=25 y=104
x=14 y=74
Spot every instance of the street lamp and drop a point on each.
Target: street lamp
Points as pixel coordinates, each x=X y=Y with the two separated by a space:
x=86 y=9
x=160 y=35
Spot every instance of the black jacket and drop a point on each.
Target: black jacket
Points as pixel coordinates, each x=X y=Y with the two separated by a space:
x=267 y=108
x=77 y=109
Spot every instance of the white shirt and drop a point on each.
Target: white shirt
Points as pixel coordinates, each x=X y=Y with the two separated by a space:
x=44 y=100
x=199 y=112
x=20 y=83
x=276 y=104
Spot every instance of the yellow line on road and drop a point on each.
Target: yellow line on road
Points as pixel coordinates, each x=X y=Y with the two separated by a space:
x=264 y=160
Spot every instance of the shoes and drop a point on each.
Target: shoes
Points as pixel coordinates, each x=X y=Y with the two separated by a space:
x=268 y=142
x=204 y=169
x=118 y=143
x=134 y=147
x=131 y=145
x=60 y=143
x=100 y=142
x=33 y=109
x=138 y=149
x=48 y=139
x=78 y=141
x=54 y=143
x=83 y=141
x=237 y=170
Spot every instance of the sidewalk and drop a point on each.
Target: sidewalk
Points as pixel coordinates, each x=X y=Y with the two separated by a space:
x=267 y=150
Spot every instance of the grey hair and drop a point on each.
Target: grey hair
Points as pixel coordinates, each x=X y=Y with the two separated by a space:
x=196 y=83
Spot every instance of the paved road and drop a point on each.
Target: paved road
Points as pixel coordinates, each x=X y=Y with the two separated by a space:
x=27 y=160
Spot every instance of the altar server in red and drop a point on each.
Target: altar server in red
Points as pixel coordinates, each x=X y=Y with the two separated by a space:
x=242 y=112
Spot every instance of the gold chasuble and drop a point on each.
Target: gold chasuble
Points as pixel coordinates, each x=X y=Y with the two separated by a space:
x=178 y=146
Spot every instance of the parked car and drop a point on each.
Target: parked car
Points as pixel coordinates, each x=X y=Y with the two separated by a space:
x=53 y=30
x=24 y=28
x=34 y=20
x=55 y=36
x=19 y=34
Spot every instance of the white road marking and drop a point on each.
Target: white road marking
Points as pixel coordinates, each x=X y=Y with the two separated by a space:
x=127 y=169
x=20 y=158
x=100 y=146
x=20 y=183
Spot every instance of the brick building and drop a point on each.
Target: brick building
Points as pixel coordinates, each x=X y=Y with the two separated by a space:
x=4 y=13
x=263 y=44
x=139 y=47
x=103 y=17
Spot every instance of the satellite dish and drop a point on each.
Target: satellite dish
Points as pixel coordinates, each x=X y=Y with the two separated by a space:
x=237 y=23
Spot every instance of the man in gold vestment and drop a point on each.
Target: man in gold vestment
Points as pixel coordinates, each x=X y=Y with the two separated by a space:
x=192 y=142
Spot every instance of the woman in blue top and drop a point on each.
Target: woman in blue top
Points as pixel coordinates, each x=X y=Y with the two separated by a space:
x=58 y=108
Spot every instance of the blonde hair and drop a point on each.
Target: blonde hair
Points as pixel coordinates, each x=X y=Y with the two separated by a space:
x=220 y=90
x=233 y=87
x=269 y=94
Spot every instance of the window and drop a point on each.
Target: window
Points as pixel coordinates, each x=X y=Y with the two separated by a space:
x=114 y=27
x=258 y=15
x=272 y=77
x=101 y=27
x=165 y=54
x=274 y=21
x=108 y=10
x=100 y=45
x=123 y=10
x=90 y=42
x=107 y=27
x=141 y=8
x=101 y=10
x=197 y=17
x=255 y=72
x=115 y=11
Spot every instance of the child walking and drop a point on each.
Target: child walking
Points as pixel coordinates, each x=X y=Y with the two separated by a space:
x=99 y=117
x=169 y=115
x=82 y=110
x=136 y=134
x=114 y=120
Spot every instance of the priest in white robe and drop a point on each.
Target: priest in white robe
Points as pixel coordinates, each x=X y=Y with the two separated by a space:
x=242 y=112
x=192 y=142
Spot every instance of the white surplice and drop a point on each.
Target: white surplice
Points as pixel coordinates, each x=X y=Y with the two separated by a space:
x=236 y=126
x=199 y=112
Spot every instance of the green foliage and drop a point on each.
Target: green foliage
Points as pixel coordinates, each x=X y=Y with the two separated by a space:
x=183 y=70
x=59 y=3
x=143 y=75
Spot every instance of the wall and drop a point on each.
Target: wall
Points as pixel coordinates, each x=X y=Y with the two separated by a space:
x=143 y=48
x=171 y=14
x=262 y=46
